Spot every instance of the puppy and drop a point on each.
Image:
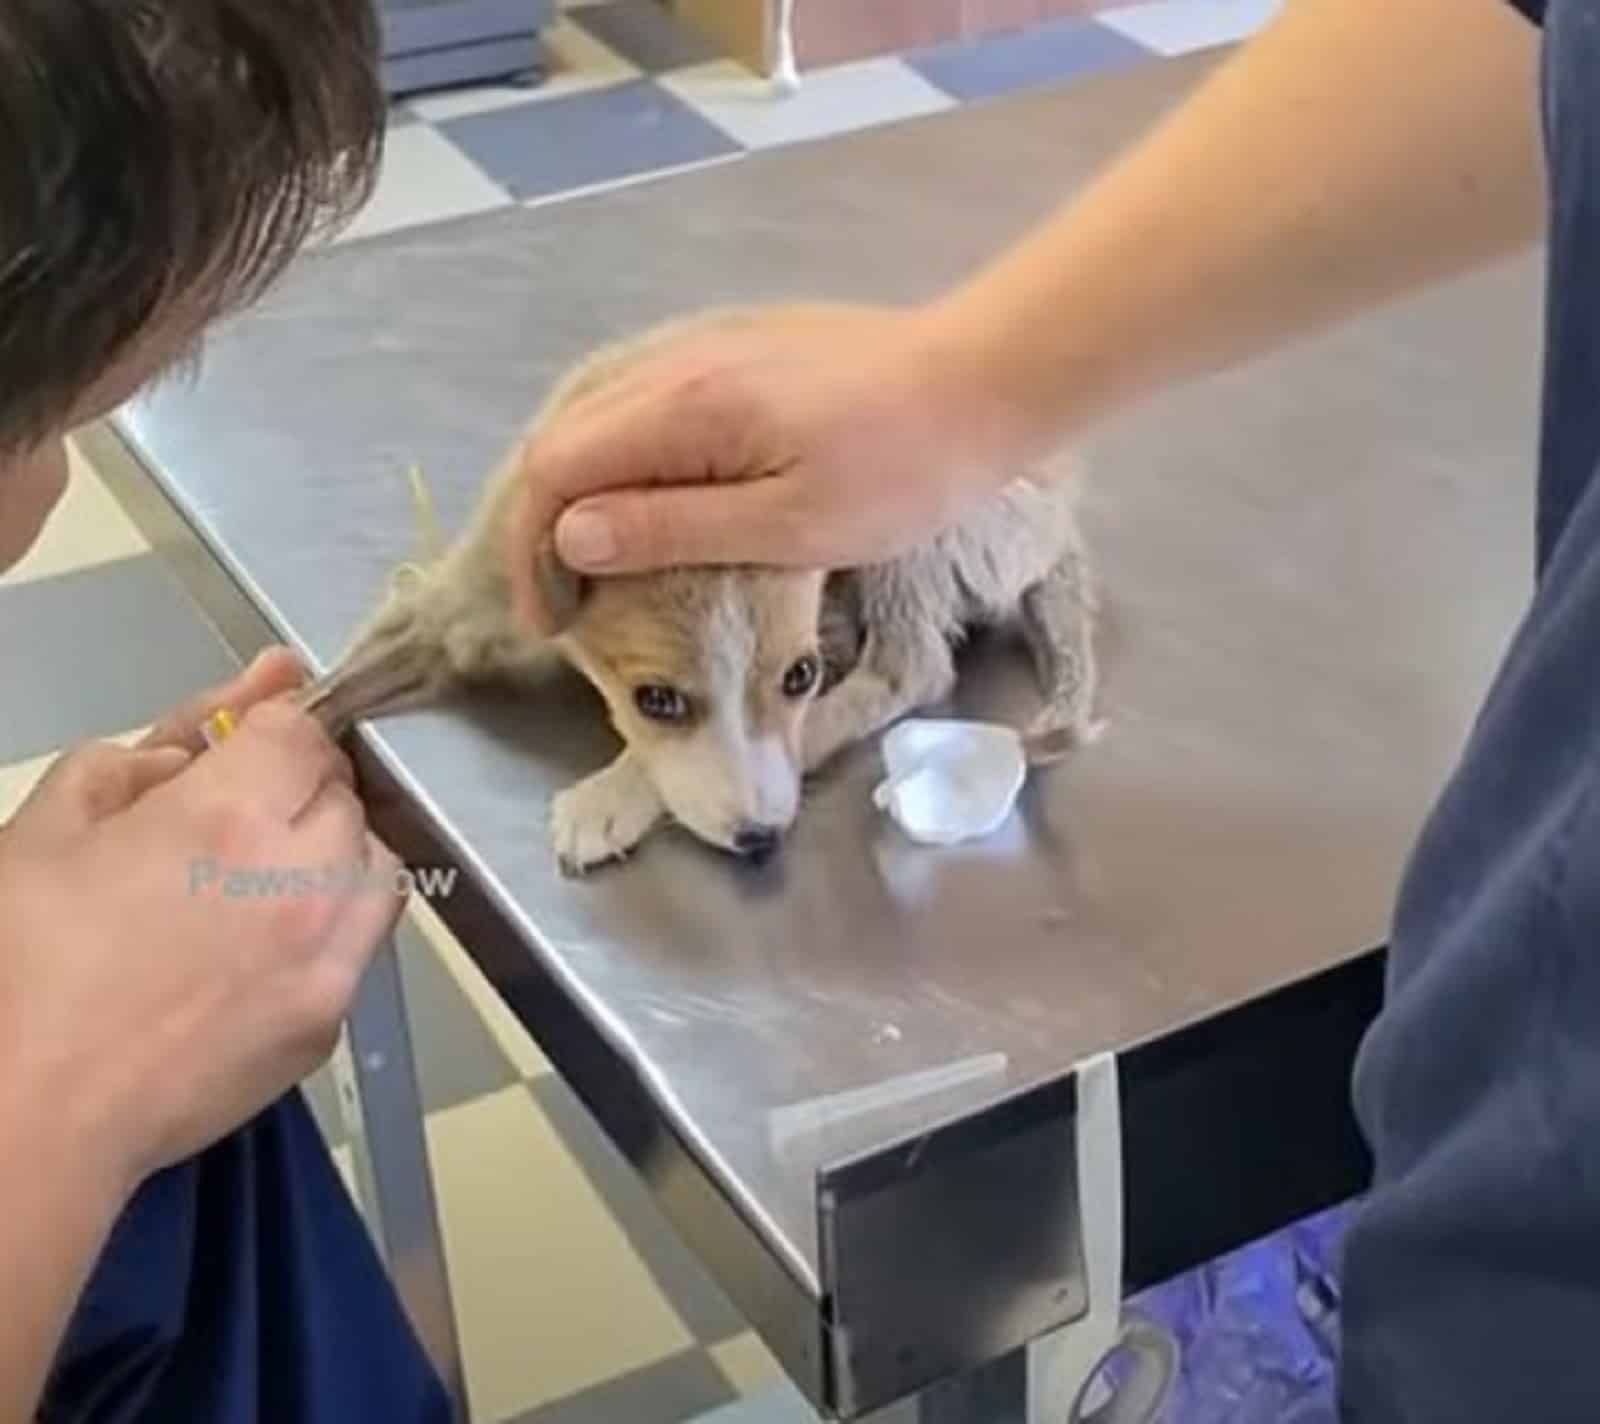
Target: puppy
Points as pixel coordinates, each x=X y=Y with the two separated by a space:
x=728 y=686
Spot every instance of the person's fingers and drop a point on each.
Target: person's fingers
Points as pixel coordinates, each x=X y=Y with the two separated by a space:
x=616 y=447
x=365 y=901
x=374 y=913
x=533 y=513
x=278 y=761
x=330 y=836
x=95 y=782
x=139 y=771
x=632 y=531
x=586 y=448
x=367 y=918
x=275 y=672
x=678 y=427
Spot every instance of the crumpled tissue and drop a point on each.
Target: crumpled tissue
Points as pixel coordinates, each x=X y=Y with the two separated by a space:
x=950 y=781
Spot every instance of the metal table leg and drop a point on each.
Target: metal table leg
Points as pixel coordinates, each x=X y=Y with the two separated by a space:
x=376 y=1073
x=1057 y=1378
x=1016 y=1389
x=996 y=1394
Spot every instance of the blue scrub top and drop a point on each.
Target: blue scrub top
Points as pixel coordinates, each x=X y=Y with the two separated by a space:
x=1472 y=1274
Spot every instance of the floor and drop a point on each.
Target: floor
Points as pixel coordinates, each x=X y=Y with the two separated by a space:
x=577 y=1304
x=629 y=95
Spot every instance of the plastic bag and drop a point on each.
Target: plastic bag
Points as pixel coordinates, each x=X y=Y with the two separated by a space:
x=1258 y=1329
x=950 y=781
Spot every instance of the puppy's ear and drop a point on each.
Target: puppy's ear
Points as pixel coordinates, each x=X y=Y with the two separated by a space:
x=561 y=589
x=841 y=629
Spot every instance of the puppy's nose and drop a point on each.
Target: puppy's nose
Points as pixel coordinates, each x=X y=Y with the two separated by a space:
x=755 y=842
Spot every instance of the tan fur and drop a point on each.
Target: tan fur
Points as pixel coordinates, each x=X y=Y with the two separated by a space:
x=885 y=636
x=723 y=639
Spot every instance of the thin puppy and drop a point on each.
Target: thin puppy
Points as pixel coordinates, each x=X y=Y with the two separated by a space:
x=728 y=685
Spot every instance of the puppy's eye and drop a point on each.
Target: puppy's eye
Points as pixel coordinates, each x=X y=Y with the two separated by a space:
x=801 y=676
x=661 y=703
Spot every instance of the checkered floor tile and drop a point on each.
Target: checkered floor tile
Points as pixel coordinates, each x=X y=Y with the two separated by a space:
x=577 y=1303
x=622 y=131
x=850 y=96
x=624 y=93
x=1173 y=27
x=1024 y=59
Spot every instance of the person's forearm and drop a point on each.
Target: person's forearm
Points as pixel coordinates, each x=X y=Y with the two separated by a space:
x=1353 y=150
x=56 y=1211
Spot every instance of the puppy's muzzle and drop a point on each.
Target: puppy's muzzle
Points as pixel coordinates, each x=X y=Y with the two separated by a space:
x=755 y=843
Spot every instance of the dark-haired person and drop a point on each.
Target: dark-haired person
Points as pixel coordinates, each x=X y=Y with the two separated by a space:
x=1354 y=150
x=174 y=1242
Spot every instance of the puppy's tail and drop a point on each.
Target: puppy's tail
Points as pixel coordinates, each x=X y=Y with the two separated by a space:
x=365 y=687
x=394 y=664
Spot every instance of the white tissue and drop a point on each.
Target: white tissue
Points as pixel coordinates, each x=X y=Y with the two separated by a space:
x=950 y=781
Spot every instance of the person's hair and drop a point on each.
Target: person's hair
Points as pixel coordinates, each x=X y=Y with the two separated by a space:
x=161 y=157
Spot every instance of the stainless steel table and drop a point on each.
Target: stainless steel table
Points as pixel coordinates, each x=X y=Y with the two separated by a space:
x=1310 y=564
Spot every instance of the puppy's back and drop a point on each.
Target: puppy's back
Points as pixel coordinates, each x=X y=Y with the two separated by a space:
x=977 y=571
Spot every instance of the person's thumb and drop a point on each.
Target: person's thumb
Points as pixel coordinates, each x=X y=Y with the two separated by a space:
x=274 y=672
x=634 y=531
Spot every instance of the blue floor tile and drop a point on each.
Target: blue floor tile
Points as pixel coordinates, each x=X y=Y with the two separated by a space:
x=106 y=648
x=1024 y=59
x=645 y=34
x=551 y=146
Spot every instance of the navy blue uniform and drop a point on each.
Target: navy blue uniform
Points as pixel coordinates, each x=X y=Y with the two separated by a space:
x=242 y=1288
x=1472 y=1273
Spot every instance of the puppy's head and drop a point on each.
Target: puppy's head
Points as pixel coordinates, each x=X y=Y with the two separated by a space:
x=708 y=674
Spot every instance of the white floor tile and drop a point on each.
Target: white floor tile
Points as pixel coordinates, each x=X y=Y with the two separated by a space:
x=345 y=1162
x=425 y=178
x=1174 y=27
x=512 y=1039
x=581 y=63
x=850 y=96
x=17 y=780
x=550 y=1297
x=746 y=1363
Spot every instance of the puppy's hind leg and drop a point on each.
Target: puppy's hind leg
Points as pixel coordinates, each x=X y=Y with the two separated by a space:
x=1058 y=615
x=891 y=679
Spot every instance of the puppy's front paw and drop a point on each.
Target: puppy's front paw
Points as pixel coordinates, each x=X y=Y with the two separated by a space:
x=602 y=819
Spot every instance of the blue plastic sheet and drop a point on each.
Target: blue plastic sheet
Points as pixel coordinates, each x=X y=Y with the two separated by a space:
x=1258 y=1329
